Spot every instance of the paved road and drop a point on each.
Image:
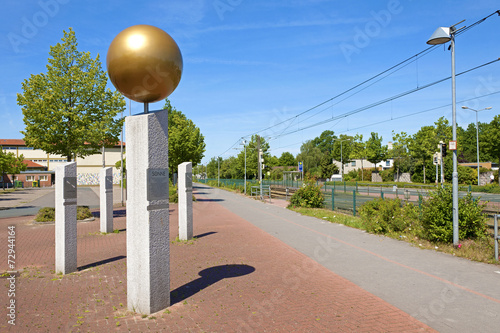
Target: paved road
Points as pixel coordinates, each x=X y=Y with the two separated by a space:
x=449 y=294
x=28 y=202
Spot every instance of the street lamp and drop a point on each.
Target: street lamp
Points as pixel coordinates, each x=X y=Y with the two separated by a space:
x=443 y=35
x=477 y=135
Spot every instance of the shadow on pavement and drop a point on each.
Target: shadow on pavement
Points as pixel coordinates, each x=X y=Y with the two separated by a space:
x=209 y=200
x=102 y=262
x=208 y=277
x=205 y=234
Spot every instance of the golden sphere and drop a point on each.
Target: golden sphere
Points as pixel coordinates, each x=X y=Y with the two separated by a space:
x=144 y=63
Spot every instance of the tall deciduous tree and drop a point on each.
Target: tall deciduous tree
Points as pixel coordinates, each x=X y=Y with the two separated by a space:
x=492 y=139
x=185 y=141
x=287 y=159
x=252 y=162
x=375 y=151
x=10 y=164
x=423 y=145
x=68 y=110
x=400 y=152
x=311 y=156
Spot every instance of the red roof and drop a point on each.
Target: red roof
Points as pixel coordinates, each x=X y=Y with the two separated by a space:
x=32 y=164
x=12 y=142
x=20 y=142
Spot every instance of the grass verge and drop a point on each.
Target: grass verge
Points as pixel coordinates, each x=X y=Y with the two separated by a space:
x=481 y=250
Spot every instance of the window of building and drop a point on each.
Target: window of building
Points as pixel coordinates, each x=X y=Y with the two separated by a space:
x=43 y=178
x=387 y=163
x=353 y=163
x=30 y=178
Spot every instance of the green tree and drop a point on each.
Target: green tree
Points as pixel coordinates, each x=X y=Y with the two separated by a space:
x=185 y=141
x=311 y=156
x=252 y=162
x=491 y=138
x=423 y=145
x=287 y=159
x=327 y=167
x=325 y=141
x=342 y=149
x=10 y=164
x=68 y=110
x=375 y=151
x=401 y=153
x=359 y=151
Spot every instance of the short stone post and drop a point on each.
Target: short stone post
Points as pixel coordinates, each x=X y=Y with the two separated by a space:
x=148 y=251
x=65 y=224
x=185 y=196
x=106 y=200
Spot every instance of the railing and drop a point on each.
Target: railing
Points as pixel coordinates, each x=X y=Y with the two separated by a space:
x=496 y=236
x=266 y=192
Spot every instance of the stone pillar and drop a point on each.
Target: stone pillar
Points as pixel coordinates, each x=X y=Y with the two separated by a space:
x=106 y=199
x=148 y=251
x=65 y=228
x=185 y=196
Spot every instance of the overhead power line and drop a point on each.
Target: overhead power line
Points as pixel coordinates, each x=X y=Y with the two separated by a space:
x=370 y=106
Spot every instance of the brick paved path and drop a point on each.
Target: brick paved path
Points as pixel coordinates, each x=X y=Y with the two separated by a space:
x=233 y=277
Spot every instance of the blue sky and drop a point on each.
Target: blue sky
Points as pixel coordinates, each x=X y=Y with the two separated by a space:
x=249 y=65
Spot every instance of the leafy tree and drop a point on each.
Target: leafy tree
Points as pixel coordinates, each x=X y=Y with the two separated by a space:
x=423 y=145
x=68 y=110
x=401 y=153
x=325 y=141
x=359 y=151
x=185 y=141
x=311 y=156
x=327 y=167
x=491 y=139
x=253 y=157
x=342 y=149
x=375 y=151
x=10 y=164
x=287 y=159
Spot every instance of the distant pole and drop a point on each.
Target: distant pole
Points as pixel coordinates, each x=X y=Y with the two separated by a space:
x=121 y=165
x=245 y=148
x=218 y=171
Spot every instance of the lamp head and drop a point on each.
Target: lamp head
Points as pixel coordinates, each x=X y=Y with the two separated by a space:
x=465 y=107
x=440 y=36
x=488 y=108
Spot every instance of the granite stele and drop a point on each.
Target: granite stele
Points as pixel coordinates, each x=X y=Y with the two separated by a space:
x=145 y=64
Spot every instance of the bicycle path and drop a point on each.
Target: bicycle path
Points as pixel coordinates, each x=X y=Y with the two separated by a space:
x=449 y=294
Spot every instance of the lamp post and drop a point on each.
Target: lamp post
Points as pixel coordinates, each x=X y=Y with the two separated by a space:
x=443 y=35
x=477 y=135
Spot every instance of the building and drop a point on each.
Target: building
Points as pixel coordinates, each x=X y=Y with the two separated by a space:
x=88 y=168
x=365 y=164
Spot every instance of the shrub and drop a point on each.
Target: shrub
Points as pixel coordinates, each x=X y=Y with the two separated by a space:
x=437 y=217
x=384 y=216
x=83 y=212
x=309 y=196
x=48 y=214
x=387 y=175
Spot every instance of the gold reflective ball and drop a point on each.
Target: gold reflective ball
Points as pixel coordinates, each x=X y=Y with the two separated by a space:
x=144 y=63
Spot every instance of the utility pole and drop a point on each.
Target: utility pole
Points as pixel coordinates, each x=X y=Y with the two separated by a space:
x=260 y=165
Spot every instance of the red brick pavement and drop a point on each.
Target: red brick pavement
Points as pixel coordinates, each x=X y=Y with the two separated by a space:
x=233 y=277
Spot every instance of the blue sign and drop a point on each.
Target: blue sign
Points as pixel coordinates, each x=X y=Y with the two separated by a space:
x=300 y=166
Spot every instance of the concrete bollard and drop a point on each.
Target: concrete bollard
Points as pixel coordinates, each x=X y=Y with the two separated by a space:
x=65 y=224
x=148 y=251
x=185 y=195
x=106 y=200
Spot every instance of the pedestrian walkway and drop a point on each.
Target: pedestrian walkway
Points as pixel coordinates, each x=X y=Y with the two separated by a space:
x=449 y=294
x=234 y=277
